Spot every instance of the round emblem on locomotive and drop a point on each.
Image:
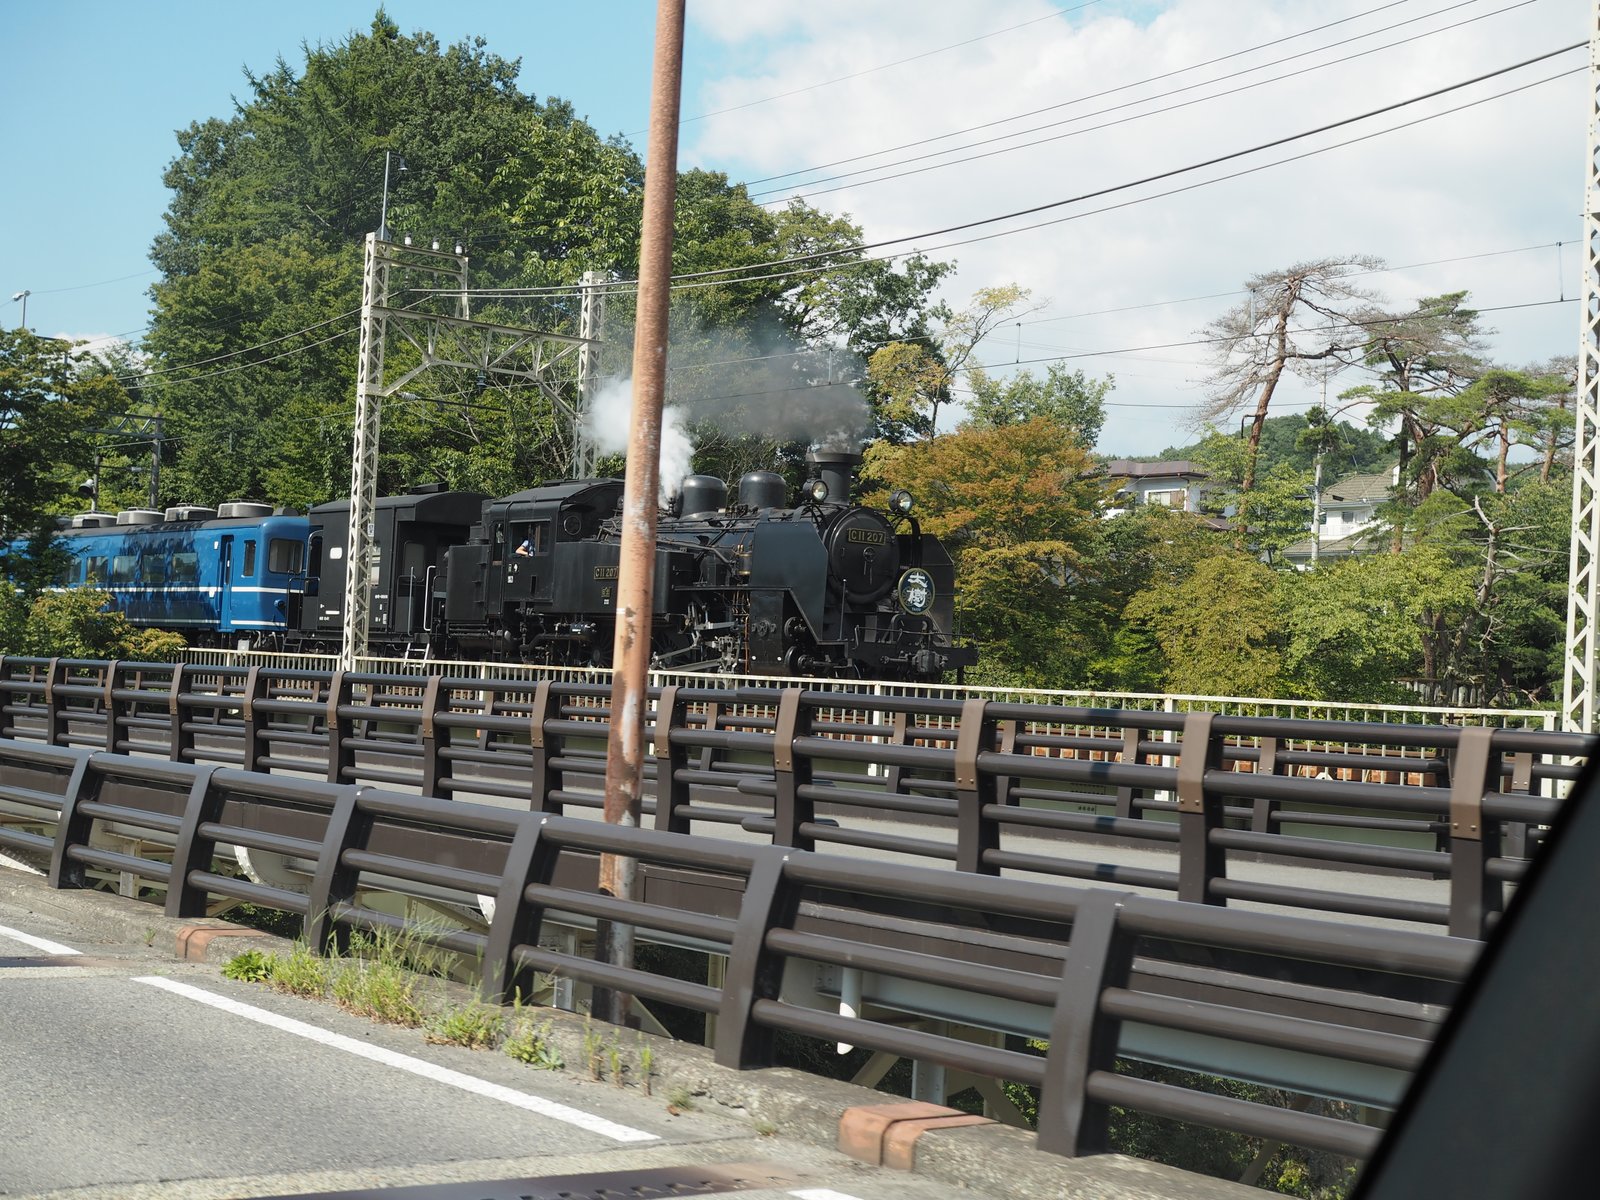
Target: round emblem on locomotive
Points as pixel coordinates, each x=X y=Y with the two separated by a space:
x=916 y=591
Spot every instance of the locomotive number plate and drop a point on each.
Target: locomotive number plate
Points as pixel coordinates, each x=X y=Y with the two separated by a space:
x=607 y=572
x=868 y=537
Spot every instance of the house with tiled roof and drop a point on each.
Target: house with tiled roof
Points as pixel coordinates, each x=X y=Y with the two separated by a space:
x=1175 y=483
x=1348 y=522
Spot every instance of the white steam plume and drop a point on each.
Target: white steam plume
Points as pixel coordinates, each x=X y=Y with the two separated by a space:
x=610 y=420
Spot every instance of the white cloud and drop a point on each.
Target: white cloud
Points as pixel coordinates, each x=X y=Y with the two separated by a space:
x=1501 y=175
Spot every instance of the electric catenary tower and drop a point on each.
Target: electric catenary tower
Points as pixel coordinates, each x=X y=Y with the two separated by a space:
x=1578 y=685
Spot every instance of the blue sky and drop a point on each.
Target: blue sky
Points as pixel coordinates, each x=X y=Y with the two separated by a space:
x=91 y=92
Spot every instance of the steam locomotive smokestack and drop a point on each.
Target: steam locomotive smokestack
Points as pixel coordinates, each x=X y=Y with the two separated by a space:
x=837 y=468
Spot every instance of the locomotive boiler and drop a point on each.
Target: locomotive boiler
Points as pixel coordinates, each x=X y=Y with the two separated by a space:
x=744 y=583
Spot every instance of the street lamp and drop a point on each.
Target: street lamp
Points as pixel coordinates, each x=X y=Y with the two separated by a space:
x=23 y=296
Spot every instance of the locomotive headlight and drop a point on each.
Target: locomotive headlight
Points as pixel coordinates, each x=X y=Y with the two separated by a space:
x=816 y=490
x=900 y=503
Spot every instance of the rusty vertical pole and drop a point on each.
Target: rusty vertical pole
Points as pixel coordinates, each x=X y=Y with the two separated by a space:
x=636 y=579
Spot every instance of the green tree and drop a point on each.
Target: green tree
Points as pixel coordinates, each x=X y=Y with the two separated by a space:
x=253 y=342
x=1217 y=630
x=1354 y=628
x=1017 y=505
x=53 y=396
x=1257 y=340
x=1432 y=351
x=78 y=624
x=910 y=380
x=1146 y=547
x=1070 y=399
x=1266 y=518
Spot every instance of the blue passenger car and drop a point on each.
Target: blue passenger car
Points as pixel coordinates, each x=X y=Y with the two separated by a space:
x=233 y=576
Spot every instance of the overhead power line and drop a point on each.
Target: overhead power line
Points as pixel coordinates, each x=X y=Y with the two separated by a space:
x=1104 y=92
x=809 y=189
x=728 y=275
x=899 y=62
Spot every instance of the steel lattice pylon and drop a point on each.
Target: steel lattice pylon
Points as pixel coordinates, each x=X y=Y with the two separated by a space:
x=364 y=455
x=1578 y=684
x=425 y=340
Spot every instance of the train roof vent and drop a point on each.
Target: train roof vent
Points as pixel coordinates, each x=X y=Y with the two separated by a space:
x=93 y=520
x=139 y=516
x=191 y=512
x=243 y=508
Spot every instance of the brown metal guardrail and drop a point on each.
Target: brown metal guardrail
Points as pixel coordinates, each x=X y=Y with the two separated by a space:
x=983 y=786
x=1091 y=961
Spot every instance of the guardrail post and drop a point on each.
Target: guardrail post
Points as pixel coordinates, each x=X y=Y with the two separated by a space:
x=1474 y=897
x=73 y=826
x=543 y=782
x=754 y=973
x=672 y=795
x=975 y=836
x=180 y=741
x=1008 y=745
x=334 y=883
x=1516 y=832
x=255 y=690
x=55 y=717
x=1199 y=859
x=430 y=737
x=1131 y=737
x=1444 y=778
x=1262 y=811
x=894 y=773
x=340 y=729
x=192 y=851
x=108 y=704
x=708 y=754
x=791 y=772
x=1083 y=1040
x=530 y=859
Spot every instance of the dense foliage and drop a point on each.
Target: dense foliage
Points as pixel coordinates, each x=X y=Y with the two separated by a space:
x=77 y=624
x=253 y=339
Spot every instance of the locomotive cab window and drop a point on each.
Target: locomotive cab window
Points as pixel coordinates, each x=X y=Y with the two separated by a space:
x=284 y=556
x=249 y=569
x=531 y=537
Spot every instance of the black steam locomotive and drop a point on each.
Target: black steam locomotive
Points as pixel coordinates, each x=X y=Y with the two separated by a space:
x=743 y=584
x=751 y=585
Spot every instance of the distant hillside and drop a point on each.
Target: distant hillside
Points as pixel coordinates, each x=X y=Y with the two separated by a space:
x=1363 y=451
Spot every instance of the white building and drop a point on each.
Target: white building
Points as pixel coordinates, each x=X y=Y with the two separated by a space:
x=1349 y=521
x=1175 y=483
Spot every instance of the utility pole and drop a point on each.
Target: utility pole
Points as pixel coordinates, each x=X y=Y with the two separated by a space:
x=1578 y=682
x=636 y=579
x=591 y=320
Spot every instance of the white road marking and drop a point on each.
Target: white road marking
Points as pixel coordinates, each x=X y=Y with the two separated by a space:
x=404 y=1062
x=38 y=943
x=7 y=861
x=821 y=1194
